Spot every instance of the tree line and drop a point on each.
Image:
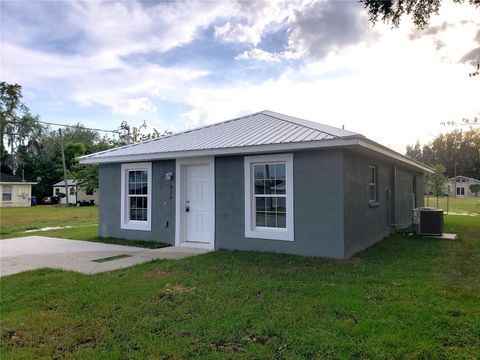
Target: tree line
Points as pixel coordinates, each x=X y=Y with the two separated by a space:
x=458 y=151
x=31 y=148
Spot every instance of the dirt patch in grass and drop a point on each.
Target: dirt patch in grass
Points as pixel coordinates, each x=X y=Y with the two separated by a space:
x=262 y=340
x=15 y=337
x=346 y=318
x=157 y=273
x=173 y=291
x=240 y=345
x=223 y=345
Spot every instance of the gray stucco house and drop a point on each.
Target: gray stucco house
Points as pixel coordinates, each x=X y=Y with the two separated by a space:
x=265 y=181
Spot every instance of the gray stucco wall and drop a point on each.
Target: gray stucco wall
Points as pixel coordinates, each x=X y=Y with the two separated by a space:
x=365 y=223
x=332 y=215
x=318 y=206
x=163 y=208
x=405 y=200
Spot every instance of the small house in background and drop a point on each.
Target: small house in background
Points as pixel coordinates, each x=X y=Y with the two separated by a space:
x=75 y=193
x=460 y=186
x=15 y=191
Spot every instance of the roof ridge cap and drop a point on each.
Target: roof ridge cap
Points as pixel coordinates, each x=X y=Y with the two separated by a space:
x=269 y=113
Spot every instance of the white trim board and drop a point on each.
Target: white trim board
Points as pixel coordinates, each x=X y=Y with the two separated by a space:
x=179 y=201
x=251 y=231
x=131 y=224
x=259 y=149
x=284 y=147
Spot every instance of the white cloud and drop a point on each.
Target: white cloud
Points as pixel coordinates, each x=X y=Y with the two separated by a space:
x=252 y=19
x=136 y=106
x=389 y=88
x=101 y=35
x=393 y=90
x=321 y=27
x=313 y=28
x=261 y=55
x=130 y=27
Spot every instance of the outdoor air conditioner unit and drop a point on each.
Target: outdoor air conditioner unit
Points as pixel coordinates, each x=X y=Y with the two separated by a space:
x=428 y=221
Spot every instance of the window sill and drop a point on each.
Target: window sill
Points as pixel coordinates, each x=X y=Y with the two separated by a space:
x=136 y=225
x=280 y=235
x=373 y=204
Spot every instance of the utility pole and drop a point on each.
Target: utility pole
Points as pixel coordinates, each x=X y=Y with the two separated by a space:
x=124 y=126
x=455 y=180
x=64 y=168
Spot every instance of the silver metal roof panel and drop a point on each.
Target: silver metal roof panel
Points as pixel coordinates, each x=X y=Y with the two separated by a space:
x=265 y=127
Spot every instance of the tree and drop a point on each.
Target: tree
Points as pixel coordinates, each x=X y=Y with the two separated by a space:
x=475 y=188
x=87 y=176
x=437 y=180
x=18 y=127
x=458 y=151
x=393 y=10
x=134 y=134
x=414 y=152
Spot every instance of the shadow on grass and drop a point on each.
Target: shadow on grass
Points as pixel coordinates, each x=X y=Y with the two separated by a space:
x=126 y=242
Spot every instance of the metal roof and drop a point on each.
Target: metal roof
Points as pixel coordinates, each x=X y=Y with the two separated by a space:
x=70 y=182
x=262 y=132
x=7 y=178
x=262 y=128
x=463 y=177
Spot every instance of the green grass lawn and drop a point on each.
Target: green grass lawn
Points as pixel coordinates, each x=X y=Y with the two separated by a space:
x=457 y=205
x=14 y=221
x=83 y=222
x=405 y=297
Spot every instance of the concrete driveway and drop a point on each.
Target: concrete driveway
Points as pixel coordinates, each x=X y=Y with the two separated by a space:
x=36 y=252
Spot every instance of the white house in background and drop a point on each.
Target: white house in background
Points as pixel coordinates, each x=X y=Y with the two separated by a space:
x=15 y=191
x=460 y=186
x=75 y=193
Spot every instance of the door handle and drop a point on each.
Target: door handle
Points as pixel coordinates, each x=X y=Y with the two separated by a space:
x=187 y=209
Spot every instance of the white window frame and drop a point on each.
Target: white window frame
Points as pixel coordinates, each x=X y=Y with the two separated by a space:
x=6 y=193
x=125 y=222
x=374 y=184
x=257 y=232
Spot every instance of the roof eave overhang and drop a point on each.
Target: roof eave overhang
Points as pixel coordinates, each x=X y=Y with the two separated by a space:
x=17 y=183
x=350 y=141
x=240 y=150
x=399 y=158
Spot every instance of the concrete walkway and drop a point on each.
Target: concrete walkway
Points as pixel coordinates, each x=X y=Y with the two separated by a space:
x=36 y=252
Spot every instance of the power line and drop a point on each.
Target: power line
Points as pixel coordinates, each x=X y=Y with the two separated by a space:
x=65 y=125
x=94 y=129
x=459 y=124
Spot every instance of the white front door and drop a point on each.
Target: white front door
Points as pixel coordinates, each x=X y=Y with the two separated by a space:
x=195 y=203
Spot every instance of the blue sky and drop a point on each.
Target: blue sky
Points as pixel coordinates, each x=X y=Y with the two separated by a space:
x=179 y=65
